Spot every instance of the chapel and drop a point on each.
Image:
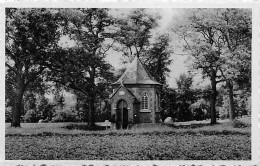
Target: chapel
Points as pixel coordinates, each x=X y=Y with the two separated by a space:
x=136 y=96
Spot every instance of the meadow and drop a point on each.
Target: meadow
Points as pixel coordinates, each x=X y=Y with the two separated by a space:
x=72 y=141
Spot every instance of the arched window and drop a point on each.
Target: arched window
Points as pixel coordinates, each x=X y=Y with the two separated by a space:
x=145 y=101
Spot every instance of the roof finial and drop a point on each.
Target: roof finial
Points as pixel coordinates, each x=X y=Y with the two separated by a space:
x=121 y=82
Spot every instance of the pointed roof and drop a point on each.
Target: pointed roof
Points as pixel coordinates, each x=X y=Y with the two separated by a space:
x=136 y=74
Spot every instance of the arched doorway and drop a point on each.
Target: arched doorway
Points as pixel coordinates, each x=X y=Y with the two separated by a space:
x=122 y=114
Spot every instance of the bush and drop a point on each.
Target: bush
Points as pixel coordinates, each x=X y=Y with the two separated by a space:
x=31 y=116
x=199 y=109
x=238 y=124
x=45 y=109
x=223 y=113
x=66 y=115
x=8 y=114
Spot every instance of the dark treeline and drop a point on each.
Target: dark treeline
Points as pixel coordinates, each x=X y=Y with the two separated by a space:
x=189 y=103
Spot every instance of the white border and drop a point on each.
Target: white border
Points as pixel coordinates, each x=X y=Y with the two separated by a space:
x=254 y=4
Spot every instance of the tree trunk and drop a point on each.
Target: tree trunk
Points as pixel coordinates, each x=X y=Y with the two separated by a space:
x=92 y=99
x=213 y=98
x=231 y=101
x=92 y=111
x=18 y=102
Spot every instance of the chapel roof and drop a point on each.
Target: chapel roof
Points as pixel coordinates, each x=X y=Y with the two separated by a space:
x=136 y=73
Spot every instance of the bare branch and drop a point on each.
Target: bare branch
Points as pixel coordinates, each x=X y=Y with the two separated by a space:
x=183 y=36
x=105 y=50
x=218 y=81
x=222 y=73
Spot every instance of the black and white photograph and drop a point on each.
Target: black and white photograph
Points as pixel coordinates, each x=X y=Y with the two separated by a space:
x=138 y=84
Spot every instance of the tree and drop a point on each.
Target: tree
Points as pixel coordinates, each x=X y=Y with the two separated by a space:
x=45 y=108
x=184 y=82
x=134 y=32
x=168 y=103
x=201 y=41
x=235 y=28
x=31 y=35
x=219 y=42
x=157 y=58
x=59 y=100
x=185 y=97
x=9 y=88
x=82 y=107
x=82 y=68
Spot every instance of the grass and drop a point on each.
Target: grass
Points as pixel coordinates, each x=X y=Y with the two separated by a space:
x=71 y=141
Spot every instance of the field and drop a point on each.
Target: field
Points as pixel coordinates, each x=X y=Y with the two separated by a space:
x=65 y=141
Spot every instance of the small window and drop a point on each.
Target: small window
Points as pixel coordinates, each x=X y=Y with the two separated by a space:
x=145 y=101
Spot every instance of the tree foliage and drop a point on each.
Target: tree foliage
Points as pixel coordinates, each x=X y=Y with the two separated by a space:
x=157 y=58
x=134 y=32
x=216 y=39
x=82 y=68
x=31 y=36
x=185 y=97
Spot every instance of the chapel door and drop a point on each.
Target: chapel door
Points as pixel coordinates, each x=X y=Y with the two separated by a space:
x=122 y=114
x=125 y=118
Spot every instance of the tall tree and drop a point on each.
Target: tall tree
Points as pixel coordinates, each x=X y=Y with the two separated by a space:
x=157 y=58
x=234 y=26
x=134 y=32
x=218 y=39
x=201 y=41
x=185 y=97
x=82 y=67
x=136 y=38
x=31 y=35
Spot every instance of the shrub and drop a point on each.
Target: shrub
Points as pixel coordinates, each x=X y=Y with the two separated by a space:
x=66 y=115
x=31 y=116
x=199 y=109
x=238 y=124
x=45 y=109
x=223 y=113
x=8 y=114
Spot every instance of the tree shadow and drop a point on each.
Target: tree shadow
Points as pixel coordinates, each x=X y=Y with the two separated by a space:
x=84 y=127
x=190 y=126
